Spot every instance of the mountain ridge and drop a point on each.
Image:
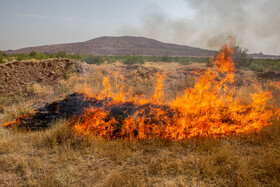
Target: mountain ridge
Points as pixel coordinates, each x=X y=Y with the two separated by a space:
x=125 y=45
x=122 y=45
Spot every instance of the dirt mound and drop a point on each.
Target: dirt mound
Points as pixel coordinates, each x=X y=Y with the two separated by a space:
x=17 y=76
x=269 y=75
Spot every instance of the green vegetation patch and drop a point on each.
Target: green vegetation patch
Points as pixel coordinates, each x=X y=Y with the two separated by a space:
x=241 y=59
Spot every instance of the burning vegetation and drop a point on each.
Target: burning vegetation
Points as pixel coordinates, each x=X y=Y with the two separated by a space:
x=69 y=146
x=212 y=107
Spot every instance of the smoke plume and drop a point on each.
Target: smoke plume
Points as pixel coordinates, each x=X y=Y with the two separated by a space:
x=254 y=24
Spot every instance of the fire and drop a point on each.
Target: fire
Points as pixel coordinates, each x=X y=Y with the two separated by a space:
x=210 y=108
x=18 y=121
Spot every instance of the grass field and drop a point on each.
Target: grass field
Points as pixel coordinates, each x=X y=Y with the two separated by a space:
x=56 y=157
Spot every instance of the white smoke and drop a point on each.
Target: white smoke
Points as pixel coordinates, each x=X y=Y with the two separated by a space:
x=254 y=24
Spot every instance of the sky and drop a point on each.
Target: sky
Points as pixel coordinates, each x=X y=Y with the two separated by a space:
x=254 y=24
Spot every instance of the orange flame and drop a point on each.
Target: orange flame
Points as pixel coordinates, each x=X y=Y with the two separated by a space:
x=17 y=122
x=210 y=108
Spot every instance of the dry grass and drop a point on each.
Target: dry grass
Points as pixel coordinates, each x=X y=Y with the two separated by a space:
x=56 y=157
x=37 y=90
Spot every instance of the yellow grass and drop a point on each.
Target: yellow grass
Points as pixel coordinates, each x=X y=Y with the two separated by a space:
x=56 y=157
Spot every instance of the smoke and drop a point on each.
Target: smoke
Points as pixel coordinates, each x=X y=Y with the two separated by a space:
x=254 y=24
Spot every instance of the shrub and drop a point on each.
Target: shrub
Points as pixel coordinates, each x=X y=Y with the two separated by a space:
x=22 y=56
x=166 y=59
x=256 y=67
x=133 y=60
x=76 y=56
x=33 y=54
x=38 y=56
x=92 y=59
x=265 y=64
x=240 y=57
x=61 y=54
x=1 y=58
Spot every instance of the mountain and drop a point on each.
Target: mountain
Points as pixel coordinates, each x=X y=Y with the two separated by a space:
x=261 y=55
x=124 y=45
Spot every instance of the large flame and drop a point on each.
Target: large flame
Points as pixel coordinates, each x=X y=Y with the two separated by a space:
x=211 y=108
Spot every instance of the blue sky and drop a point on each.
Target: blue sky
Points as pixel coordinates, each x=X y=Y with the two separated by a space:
x=199 y=23
x=37 y=22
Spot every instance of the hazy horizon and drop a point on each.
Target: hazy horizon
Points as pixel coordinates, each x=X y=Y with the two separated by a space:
x=197 y=23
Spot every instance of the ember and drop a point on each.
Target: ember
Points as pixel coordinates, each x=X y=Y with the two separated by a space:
x=210 y=108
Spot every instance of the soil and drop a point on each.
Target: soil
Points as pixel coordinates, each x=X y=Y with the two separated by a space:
x=16 y=76
x=269 y=75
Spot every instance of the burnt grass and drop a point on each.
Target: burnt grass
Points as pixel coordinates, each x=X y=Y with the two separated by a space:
x=77 y=104
x=42 y=118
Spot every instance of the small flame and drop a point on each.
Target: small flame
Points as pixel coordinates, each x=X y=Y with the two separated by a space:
x=17 y=122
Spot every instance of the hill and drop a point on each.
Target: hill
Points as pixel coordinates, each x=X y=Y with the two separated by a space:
x=124 y=45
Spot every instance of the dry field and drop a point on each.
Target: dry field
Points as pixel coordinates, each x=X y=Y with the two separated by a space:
x=56 y=157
